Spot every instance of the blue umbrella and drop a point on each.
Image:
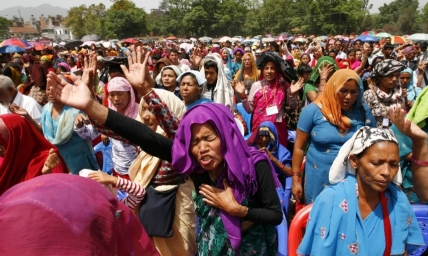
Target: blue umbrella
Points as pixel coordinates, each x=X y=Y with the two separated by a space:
x=11 y=48
x=368 y=39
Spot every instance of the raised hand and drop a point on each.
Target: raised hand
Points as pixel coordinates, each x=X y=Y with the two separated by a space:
x=18 y=110
x=296 y=86
x=407 y=127
x=325 y=70
x=51 y=162
x=103 y=178
x=136 y=72
x=77 y=96
x=80 y=120
x=238 y=86
x=89 y=69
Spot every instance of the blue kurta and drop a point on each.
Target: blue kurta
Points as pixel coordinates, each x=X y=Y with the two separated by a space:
x=325 y=142
x=335 y=225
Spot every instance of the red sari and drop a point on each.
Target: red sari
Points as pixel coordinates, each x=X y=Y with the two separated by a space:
x=26 y=152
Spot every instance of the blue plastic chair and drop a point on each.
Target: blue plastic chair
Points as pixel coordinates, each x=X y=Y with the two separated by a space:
x=247 y=118
x=107 y=157
x=421 y=213
x=108 y=164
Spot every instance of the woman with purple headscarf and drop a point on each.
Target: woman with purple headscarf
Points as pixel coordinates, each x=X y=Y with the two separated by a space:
x=236 y=199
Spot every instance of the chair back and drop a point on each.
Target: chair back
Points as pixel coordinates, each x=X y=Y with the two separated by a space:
x=297 y=229
x=421 y=213
x=107 y=157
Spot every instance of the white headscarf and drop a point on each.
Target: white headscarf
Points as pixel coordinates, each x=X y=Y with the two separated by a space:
x=364 y=138
x=223 y=92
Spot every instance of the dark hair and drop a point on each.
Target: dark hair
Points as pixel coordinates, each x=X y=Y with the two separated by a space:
x=304 y=69
x=115 y=68
x=275 y=45
x=211 y=64
x=173 y=51
x=13 y=65
x=332 y=51
x=63 y=69
x=156 y=57
x=351 y=51
x=337 y=40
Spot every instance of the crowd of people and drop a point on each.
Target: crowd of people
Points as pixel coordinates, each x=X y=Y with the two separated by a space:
x=204 y=138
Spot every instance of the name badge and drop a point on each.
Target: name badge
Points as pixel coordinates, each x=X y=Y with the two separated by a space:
x=272 y=110
x=385 y=122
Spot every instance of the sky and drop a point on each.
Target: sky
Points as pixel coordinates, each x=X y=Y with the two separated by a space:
x=146 y=4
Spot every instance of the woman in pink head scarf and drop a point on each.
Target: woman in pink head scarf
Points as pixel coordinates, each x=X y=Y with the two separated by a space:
x=121 y=98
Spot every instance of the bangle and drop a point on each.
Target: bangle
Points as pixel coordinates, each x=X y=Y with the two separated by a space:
x=323 y=79
x=297 y=174
x=419 y=162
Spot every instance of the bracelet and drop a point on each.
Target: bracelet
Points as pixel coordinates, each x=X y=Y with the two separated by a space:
x=297 y=174
x=243 y=96
x=419 y=162
x=282 y=166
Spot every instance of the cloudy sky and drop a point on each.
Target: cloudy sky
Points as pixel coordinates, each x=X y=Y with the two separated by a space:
x=146 y=4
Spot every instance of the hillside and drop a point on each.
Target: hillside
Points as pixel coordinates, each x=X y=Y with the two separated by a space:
x=26 y=12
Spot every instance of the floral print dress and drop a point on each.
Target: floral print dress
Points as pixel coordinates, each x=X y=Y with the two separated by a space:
x=213 y=239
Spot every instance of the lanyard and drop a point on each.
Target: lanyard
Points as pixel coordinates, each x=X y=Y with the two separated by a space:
x=386 y=225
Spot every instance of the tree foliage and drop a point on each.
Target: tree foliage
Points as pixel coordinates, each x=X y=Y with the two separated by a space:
x=123 y=19
x=399 y=16
x=4 y=26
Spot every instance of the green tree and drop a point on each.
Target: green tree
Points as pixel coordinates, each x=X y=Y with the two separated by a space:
x=399 y=13
x=424 y=18
x=4 y=26
x=76 y=20
x=126 y=21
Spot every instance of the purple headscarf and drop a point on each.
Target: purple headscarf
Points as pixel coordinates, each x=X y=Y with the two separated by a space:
x=239 y=159
x=239 y=50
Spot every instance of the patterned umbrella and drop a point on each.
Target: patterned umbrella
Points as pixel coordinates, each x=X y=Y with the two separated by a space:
x=15 y=42
x=11 y=48
x=383 y=35
x=37 y=45
x=92 y=37
x=397 y=40
x=368 y=33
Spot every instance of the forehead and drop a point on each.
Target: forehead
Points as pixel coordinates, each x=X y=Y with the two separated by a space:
x=350 y=84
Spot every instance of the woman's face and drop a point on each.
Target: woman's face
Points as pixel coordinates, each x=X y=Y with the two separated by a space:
x=304 y=59
x=405 y=79
x=189 y=90
x=169 y=79
x=269 y=71
x=351 y=56
x=147 y=117
x=205 y=147
x=358 y=55
x=238 y=56
x=70 y=62
x=247 y=61
x=390 y=81
x=120 y=100
x=377 y=166
x=348 y=94
x=264 y=141
x=317 y=54
x=224 y=54
x=81 y=58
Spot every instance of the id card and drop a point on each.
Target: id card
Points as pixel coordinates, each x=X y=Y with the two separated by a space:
x=385 y=122
x=272 y=110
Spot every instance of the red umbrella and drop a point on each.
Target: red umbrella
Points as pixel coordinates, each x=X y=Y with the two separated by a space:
x=16 y=42
x=37 y=45
x=130 y=40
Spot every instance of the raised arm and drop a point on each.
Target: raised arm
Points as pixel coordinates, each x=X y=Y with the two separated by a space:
x=419 y=151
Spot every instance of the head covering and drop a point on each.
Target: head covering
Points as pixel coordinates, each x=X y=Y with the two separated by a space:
x=408 y=50
x=419 y=111
x=239 y=159
x=45 y=58
x=214 y=50
x=17 y=56
x=280 y=152
x=65 y=65
x=315 y=73
x=120 y=84
x=328 y=102
x=412 y=90
x=228 y=62
x=362 y=139
x=26 y=151
x=62 y=214
x=238 y=50
x=200 y=79
x=176 y=70
x=386 y=67
x=223 y=92
x=13 y=74
x=156 y=69
x=247 y=49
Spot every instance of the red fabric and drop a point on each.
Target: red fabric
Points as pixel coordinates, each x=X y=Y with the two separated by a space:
x=116 y=174
x=26 y=152
x=386 y=225
x=62 y=214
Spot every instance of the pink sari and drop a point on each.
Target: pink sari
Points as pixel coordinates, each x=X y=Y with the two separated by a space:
x=267 y=96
